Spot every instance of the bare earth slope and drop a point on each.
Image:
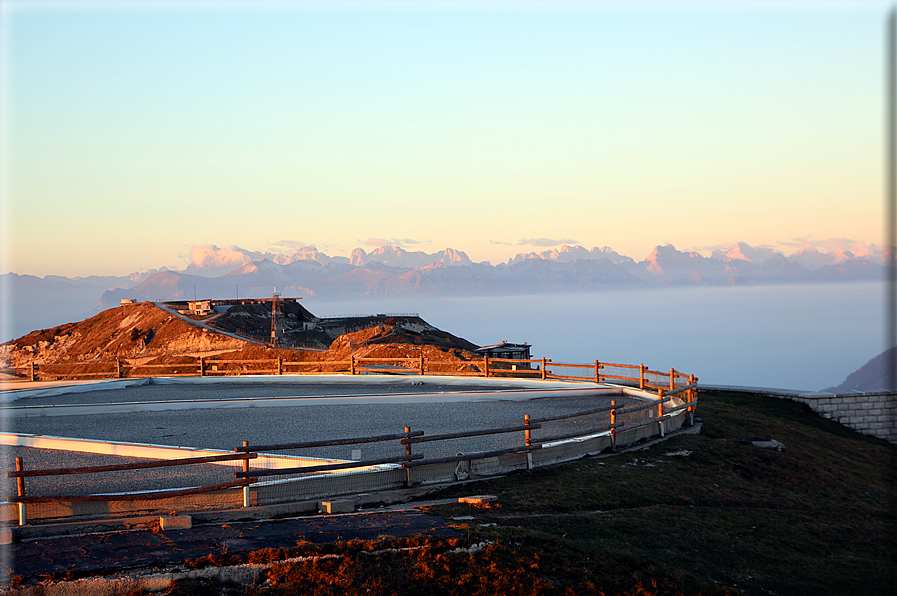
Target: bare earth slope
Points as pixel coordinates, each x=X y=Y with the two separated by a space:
x=143 y=333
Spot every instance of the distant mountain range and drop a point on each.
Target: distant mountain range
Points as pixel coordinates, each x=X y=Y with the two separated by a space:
x=390 y=270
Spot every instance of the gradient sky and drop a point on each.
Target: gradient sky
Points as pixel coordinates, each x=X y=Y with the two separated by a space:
x=133 y=131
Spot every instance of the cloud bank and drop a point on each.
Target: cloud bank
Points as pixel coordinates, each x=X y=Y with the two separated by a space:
x=545 y=242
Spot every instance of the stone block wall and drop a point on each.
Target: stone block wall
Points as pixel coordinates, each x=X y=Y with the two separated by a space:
x=872 y=414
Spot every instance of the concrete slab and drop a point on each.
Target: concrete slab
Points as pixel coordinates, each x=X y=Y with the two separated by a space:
x=337 y=506
x=477 y=499
x=175 y=522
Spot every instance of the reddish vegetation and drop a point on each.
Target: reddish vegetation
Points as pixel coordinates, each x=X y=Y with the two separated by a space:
x=448 y=566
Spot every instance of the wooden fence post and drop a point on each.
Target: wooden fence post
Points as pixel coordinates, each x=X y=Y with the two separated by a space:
x=613 y=429
x=20 y=490
x=118 y=368
x=641 y=376
x=672 y=379
x=408 y=454
x=33 y=376
x=691 y=396
x=660 y=411
x=485 y=366
x=543 y=368
x=352 y=365
x=528 y=441
x=247 y=498
x=597 y=376
x=421 y=364
x=202 y=366
x=279 y=365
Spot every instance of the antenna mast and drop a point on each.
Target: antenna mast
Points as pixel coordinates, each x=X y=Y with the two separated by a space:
x=275 y=308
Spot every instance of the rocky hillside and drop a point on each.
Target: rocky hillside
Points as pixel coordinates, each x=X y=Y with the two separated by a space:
x=131 y=331
x=143 y=333
x=876 y=375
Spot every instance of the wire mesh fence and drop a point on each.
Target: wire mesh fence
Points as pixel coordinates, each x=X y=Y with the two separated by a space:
x=117 y=492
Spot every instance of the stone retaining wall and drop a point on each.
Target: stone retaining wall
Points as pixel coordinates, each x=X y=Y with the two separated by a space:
x=872 y=414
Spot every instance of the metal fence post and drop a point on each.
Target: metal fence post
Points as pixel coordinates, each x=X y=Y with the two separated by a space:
x=20 y=490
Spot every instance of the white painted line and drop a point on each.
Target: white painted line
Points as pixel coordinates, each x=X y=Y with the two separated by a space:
x=278 y=402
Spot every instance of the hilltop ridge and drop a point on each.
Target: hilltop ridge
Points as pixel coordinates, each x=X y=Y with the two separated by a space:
x=144 y=333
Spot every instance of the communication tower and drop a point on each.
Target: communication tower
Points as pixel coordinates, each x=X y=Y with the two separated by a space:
x=275 y=311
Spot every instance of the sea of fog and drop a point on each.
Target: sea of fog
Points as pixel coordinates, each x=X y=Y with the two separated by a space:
x=803 y=337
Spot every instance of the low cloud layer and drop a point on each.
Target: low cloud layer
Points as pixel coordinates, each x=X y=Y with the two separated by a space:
x=832 y=246
x=545 y=242
x=291 y=244
x=210 y=256
x=392 y=242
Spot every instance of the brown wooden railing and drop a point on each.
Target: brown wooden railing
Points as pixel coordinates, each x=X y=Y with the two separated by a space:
x=22 y=499
x=635 y=375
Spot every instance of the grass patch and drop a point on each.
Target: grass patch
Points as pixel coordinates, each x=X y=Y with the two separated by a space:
x=696 y=514
x=818 y=517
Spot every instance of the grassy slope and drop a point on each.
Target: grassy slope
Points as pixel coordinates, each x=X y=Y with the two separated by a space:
x=729 y=517
x=815 y=518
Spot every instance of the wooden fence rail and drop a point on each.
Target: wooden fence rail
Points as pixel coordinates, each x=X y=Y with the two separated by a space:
x=470 y=433
x=330 y=443
x=22 y=499
x=184 y=461
x=645 y=378
x=329 y=467
x=146 y=496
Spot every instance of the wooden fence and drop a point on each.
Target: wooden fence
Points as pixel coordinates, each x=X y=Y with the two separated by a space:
x=635 y=375
x=405 y=468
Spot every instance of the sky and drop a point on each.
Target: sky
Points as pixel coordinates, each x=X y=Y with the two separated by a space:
x=134 y=131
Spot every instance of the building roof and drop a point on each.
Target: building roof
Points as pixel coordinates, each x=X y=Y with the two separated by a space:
x=506 y=347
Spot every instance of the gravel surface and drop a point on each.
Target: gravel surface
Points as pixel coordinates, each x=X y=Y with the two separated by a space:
x=226 y=428
x=237 y=390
